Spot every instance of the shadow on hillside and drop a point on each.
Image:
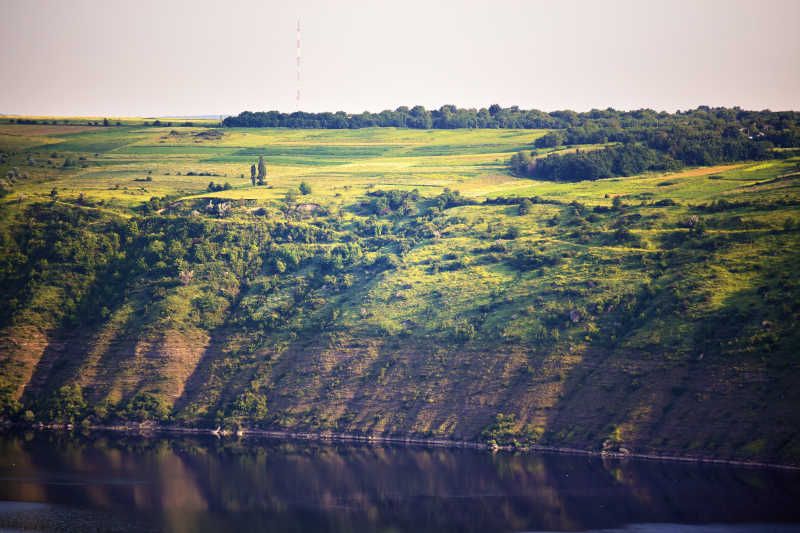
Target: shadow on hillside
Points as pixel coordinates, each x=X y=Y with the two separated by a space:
x=388 y=386
x=200 y=388
x=732 y=394
x=69 y=348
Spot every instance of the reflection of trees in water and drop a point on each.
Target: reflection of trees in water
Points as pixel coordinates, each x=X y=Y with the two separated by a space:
x=193 y=483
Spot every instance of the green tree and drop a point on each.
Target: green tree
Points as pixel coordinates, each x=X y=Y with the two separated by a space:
x=262 y=171
x=66 y=404
x=146 y=406
x=253 y=174
x=305 y=188
x=520 y=161
x=551 y=140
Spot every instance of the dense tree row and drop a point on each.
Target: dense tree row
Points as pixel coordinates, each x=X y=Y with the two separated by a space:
x=630 y=159
x=596 y=126
x=105 y=122
x=641 y=149
x=611 y=161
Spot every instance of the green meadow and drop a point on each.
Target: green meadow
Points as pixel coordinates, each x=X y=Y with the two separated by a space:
x=419 y=288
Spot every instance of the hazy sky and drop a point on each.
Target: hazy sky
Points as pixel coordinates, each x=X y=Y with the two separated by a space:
x=156 y=58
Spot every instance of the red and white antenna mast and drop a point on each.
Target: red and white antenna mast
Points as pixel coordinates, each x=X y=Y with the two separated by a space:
x=298 y=65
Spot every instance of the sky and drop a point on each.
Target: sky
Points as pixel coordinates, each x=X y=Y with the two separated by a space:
x=183 y=58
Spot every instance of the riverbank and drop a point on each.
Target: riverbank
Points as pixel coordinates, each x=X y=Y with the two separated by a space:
x=145 y=429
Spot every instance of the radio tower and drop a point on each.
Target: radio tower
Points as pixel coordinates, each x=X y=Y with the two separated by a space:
x=298 y=65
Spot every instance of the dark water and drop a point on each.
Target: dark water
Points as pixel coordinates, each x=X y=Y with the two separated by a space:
x=56 y=482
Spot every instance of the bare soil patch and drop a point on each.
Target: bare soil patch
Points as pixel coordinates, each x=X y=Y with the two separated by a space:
x=702 y=171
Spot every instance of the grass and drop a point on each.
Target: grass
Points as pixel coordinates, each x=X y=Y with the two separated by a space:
x=455 y=331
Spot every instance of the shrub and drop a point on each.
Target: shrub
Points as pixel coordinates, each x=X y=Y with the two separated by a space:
x=463 y=331
x=66 y=405
x=531 y=259
x=146 y=406
x=501 y=430
x=525 y=207
x=694 y=224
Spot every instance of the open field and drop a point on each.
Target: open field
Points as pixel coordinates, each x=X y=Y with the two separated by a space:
x=412 y=291
x=44 y=120
x=117 y=157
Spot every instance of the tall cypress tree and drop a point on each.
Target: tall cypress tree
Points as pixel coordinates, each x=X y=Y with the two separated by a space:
x=262 y=170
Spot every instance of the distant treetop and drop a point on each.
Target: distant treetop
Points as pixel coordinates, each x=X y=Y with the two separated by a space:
x=451 y=117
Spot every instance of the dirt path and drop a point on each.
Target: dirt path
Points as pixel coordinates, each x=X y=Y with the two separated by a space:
x=701 y=171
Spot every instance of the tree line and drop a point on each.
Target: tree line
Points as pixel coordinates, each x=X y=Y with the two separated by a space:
x=595 y=126
x=656 y=150
x=699 y=138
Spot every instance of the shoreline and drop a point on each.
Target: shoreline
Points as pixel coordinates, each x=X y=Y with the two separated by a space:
x=143 y=430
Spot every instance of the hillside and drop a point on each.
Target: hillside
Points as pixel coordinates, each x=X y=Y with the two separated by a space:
x=420 y=288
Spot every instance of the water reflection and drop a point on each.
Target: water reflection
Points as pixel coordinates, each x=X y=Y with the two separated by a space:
x=131 y=483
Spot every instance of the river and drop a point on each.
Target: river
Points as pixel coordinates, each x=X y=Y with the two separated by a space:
x=59 y=481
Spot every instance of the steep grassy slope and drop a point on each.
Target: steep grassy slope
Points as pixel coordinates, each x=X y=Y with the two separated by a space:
x=418 y=289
